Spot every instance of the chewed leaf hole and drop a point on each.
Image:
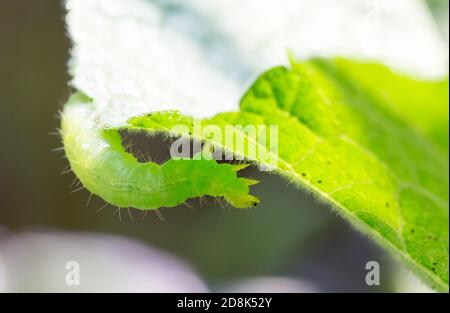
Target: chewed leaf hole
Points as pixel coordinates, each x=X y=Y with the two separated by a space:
x=159 y=148
x=145 y=148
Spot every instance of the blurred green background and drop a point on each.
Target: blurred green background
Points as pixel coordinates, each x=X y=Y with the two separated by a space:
x=288 y=235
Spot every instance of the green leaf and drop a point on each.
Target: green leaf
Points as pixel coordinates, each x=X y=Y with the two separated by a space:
x=380 y=161
x=352 y=142
x=371 y=143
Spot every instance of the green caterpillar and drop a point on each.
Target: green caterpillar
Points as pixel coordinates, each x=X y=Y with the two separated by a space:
x=99 y=160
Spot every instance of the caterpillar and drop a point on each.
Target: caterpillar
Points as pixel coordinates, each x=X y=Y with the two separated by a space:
x=99 y=160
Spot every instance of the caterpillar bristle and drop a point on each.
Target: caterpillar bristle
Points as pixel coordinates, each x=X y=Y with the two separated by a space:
x=117 y=210
x=89 y=199
x=144 y=215
x=222 y=202
x=75 y=181
x=159 y=214
x=78 y=189
x=104 y=206
x=205 y=200
x=56 y=133
x=188 y=205
x=58 y=149
x=131 y=215
x=66 y=170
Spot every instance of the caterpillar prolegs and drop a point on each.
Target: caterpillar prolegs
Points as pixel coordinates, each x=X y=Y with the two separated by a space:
x=99 y=160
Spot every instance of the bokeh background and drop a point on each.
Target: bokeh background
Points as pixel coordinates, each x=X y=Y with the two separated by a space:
x=288 y=243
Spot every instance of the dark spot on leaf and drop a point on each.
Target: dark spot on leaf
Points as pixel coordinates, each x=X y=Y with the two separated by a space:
x=304 y=174
x=387 y=204
x=433 y=269
x=412 y=231
x=319 y=181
